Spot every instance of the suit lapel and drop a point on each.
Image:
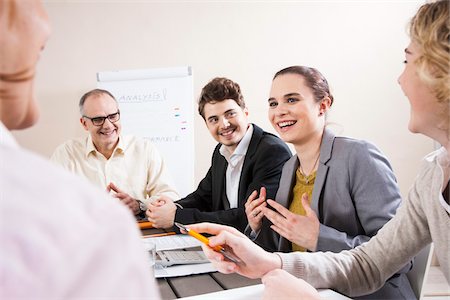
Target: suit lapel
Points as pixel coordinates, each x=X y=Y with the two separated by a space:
x=325 y=154
x=254 y=141
x=220 y=192
x=284 y=194
x=252 y=147
x=288 y=178
x=287 y=182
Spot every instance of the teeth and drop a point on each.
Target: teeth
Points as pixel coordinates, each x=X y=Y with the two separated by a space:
x=227 y=132
x=286 y=123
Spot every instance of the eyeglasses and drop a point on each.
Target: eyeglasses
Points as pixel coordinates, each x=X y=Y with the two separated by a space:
x=99 y=121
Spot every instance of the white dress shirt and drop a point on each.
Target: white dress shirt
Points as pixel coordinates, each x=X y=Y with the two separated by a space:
x=135 y=167
x=234 y=168
x=56 y=240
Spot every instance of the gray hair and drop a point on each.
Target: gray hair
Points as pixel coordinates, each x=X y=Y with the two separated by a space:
x=94 y=92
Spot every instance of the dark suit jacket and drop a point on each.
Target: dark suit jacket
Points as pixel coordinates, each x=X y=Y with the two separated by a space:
x=355 y=193
x=262 y=166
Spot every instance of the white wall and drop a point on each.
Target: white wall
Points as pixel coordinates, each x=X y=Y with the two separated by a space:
x=357 y=45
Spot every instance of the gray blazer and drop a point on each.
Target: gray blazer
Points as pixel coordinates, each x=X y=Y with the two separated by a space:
x=355 y=193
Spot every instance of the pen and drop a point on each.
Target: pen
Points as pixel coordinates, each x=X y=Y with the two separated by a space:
x=159 y=234
x=145 y=225
x=205 y=241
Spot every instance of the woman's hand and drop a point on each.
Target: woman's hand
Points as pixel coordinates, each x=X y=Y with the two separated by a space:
x=300 y=230
x=253 y=209
x=254 y=261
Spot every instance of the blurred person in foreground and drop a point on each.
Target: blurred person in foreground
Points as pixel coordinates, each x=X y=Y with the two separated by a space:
x=57 y=242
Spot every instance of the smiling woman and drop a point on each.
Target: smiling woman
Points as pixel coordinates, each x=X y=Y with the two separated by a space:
x=335 y=193
x=425 y=113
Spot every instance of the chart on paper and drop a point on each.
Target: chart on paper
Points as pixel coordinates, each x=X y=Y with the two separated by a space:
x=158 y=104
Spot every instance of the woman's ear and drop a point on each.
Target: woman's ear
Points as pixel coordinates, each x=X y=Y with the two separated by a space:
x=324 y=105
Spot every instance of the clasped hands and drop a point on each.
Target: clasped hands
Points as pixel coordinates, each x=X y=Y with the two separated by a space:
x=161 y=212
x=301 y=230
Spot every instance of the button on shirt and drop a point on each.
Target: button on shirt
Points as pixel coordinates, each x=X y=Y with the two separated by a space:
x=234 y=168
x=135 y=167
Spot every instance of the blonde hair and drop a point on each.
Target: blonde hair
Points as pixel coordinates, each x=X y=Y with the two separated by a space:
x=430 y=29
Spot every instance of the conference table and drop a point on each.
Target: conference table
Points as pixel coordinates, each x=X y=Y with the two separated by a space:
x=185 y=286
x=199 y=286
x=193 y=285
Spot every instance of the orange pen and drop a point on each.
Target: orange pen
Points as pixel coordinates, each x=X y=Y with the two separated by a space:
x=145 y=225
x=205 y=241
x=159 y=234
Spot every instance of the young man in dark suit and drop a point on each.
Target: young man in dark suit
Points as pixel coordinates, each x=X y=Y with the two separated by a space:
x=245 y=159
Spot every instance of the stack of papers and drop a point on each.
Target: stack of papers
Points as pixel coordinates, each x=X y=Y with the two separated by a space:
x=183 y=270
x=174 y=242
x=177 y=242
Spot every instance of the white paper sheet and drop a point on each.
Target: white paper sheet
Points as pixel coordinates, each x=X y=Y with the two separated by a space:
x=158 y=105
x=174 y=242
x=254 y=292
x=183 y=270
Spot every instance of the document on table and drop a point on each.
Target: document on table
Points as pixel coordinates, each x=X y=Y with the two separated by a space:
x=173 y=242
x=176 y=242
x=256 y=292
x=183 y=270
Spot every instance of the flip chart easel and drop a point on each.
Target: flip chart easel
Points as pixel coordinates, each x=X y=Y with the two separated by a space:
x=158 y=104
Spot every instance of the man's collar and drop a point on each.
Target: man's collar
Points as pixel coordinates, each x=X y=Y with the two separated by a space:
x=90 y=147
x=242 y=147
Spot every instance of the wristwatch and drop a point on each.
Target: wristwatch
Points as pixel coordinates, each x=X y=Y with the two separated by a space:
x=142 y=205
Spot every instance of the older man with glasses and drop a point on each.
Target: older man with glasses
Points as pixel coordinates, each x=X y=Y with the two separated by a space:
x=129 y=167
